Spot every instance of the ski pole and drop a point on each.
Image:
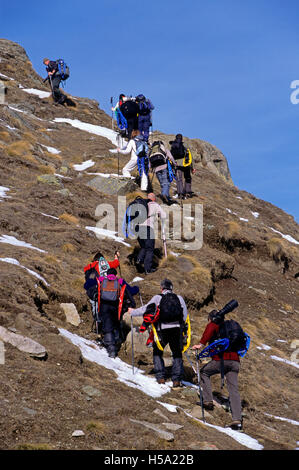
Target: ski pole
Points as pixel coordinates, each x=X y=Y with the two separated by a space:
x=164 y=240
x=111 y=102
x=189 y=360
x=132 y=340
x=200 y=388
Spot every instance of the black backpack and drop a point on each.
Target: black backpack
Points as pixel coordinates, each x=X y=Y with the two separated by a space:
x=157 y=155
x=178 y=150
x=129 y=109
x=233 y=331
x=170 y=309
x=136 y=214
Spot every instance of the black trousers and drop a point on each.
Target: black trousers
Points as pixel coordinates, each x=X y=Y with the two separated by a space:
x=57 y=95
x=110 y=326
x=147 y=244
x=173 y=337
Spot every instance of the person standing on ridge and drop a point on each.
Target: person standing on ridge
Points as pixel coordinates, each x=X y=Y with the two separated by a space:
x=144 y=115
x=231 y=364
x=184 y=167
x=55 y=79
x=146 y=234
x=169 y=326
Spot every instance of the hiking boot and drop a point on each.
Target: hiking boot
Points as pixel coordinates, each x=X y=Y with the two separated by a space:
x=152 y=270
x=236 y=426
x=161 y=381
x=112 y=354
x=176 y=384
x=209 y=405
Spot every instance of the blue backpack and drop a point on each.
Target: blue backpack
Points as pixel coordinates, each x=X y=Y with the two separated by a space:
x=144 y=105
x=141 y=147
x=63 y=69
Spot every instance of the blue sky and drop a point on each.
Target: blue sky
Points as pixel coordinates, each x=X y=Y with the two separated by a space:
x=218 y=70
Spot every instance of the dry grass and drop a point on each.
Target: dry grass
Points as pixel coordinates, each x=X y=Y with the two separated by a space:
x=96 y=426
x=230 y=230
x=69 y=219
x=33 y=447
x=78 y=283
x=5 y=136
x=69 y=248
x=199 y=273
x=51 y=259
x=19 y=148
x=47 y=169
x=276 y=248
x=29 y=137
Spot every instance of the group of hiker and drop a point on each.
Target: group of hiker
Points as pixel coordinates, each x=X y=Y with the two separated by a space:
x=134 y=118
x=165 y=316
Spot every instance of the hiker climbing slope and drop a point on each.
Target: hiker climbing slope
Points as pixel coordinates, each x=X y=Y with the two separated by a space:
x=129 y=109
x=145 y=108
x=159 y=160
x=55 y=75
x=169 y=327
x=184 y=168
x=226 y=363
x=112 y=294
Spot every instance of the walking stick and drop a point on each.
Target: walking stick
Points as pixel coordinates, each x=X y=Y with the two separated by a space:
x=200 y=388
x=111 y=102
x=164 y=240
x=132 y=340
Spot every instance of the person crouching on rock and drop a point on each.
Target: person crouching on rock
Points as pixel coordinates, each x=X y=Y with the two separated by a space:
x=54 y=79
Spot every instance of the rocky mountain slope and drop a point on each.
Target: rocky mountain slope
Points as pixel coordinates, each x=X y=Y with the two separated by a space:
x=52 y=162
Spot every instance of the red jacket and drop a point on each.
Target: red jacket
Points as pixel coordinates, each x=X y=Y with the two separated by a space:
x=210 y=335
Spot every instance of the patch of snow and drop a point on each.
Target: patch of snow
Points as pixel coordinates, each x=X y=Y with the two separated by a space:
x=137 y=279
x=239 y=197
x=173 y=253
x=16 y=263
x=14 y=241
x=291 y=421
x=281 y=341
x=242 y=438
x=51 y=149
x=264 y=346
x=290 y=363
x=52 y=216
x=16 y=109
x=3 y=191
x=286 y=237
x=84 y=165
x=244 y=220
x=5 y=76
x=171 y=408
x=94 y=353
x=255 y=214
x=41 y=94
x=91 y=128
x=104 y=233
x=62 y=176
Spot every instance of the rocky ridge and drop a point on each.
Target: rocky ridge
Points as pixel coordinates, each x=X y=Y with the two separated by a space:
x=48 y=157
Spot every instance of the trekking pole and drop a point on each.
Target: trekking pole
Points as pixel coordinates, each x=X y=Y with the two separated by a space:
x=200 y=388
x=116 y=253
x=132 y=341
x=111 y=102
x=164 y=239
x=189 y=360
